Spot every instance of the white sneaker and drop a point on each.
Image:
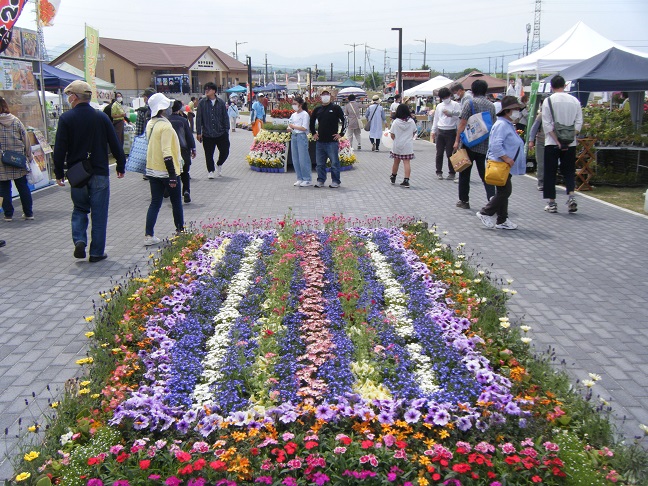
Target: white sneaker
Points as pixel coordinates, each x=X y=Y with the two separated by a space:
x=151 y=240
x=507 y=225
x=298 y=183
x=210 y=175
x=305 y=184
x=219 y=170
x=318 y=184
x=488 y=221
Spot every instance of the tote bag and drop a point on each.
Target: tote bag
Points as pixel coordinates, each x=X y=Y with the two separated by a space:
x=136 y=161
x=478 y=127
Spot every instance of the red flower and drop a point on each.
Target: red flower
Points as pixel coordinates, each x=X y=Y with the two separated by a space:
x=436 y=477
x=512 y=459
x=93 y=460
x=188 y=469
x=401 y=444
x=310 y=444
x=290 y=447
x=346 y=440
x=183 y=456
x=218 y=465
x=366 y=444
x=199 y=464
x=254 y=451
x=122 y=457
x=536 y=479
x=461 y=468
x=491 y=475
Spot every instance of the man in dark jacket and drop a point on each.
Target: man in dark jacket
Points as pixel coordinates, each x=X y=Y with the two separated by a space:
x=83 y=131
x=328 y=117
x=187 y=145
x=212 y=128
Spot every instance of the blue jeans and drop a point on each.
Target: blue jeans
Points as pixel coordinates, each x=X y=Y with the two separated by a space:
x=91 y=199
x=23 y=191
x=158 y=185
x=322 y=151
x=300 y=156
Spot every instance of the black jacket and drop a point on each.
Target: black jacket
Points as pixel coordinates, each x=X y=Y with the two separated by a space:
x=182 y=128
x=328 y=118
x=77 y=129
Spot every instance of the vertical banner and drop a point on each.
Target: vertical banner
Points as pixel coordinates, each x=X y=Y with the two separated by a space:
x=532 y=107
x=91 y=54
x=10 y=10
x=47 y=10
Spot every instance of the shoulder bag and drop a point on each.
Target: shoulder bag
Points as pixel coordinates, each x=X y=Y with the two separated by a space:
x=566 y=133
x=14 y=159
x=360 y=122
x=497 y=173
x=367 y=127
x=80 y=171
x=478 y=127
x=136 y=161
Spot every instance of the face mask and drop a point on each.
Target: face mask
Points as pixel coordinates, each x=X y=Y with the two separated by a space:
x=295 y=107
x=120 y=99
x=455 y=97
x=515 y=115
x=446 y=101
x=326 y=99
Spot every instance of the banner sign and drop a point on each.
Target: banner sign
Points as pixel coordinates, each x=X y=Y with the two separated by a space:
x=91 y=53
x=10 y=10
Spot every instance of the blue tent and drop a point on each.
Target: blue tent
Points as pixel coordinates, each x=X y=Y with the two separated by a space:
x=269 y=87
x=236 y=89
x=56 y=79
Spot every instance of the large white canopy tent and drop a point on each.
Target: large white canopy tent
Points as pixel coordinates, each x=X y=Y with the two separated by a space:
x=577 y=44
x=429 y=87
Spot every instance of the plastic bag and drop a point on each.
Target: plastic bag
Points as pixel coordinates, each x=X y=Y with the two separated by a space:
x=386 y=139
x=35 y=175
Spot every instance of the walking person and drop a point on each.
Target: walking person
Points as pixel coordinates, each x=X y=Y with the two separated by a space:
x=13 y=137
x=162 y=167
x=187 y=146
x=376 y=119
x=504 y=145
x=191 y=114
x=394 y=106
x=402 y=132
x=212 y=127
x=325 y=128
x=352 y=112
x=444 y=131
x=477 y=153
x=537 y=140
x=82 y=131
x=298 y=125
x=564 y=109
x=233 y=114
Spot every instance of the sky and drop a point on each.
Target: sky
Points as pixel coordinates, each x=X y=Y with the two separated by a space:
x=319 y=28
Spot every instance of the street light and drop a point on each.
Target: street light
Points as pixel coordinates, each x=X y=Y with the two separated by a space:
x=348 y=65
x=528 y=27
x=399 y=84
x=424 y=41
x=354 y=47
x=236 y=50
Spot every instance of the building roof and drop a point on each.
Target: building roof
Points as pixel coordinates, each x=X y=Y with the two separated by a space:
x=153 y=54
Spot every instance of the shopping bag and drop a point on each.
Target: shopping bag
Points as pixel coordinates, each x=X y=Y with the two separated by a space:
x=129 y=135
x=136 y=161
x=386 y=139
x=497 y=173
x=256 y=127
x=460 y=160
x=35 y=175
x=478 y=127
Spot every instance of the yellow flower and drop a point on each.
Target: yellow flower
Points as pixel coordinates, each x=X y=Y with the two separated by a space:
x=83 y=361
x=55 y=404
x=89 y=334
x=33 y=428
x=84 y=391
x=89 y=318
x=95 y=395
x=422 y=481
x=85 y=383
x=30 y=456
x=22 y=477
x=444 y=434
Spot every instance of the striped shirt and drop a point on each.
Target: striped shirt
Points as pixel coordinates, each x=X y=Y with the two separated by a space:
x=481 y=104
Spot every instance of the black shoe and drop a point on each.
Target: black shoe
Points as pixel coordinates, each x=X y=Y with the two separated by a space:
x=187 y=198
x=144 y=178
x=392 y=178
x=440 y=177
x=94 y=259
x=405 y=183
x=2 y=243
x=463 y=205
x=79 y=249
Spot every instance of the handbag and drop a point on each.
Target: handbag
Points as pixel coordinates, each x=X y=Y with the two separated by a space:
x=136 y=161
x=497 y=173
x=478 y=127
x=566 y=133
x=367 y=127
x=14 y=159
x=80 y=171
x=35 y=175
x=460 y=160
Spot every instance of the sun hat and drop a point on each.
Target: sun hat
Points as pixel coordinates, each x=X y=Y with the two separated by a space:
x=158 y=102
x=148 y=92
x=510 y=103
x=375 y=98
x=77 y=87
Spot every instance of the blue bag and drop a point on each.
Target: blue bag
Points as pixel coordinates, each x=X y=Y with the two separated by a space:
x=136 y=161
x=478 y=127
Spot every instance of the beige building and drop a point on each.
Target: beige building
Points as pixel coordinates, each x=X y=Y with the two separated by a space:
x=133 y=66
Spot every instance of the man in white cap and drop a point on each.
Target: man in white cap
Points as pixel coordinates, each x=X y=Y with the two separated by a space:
x=84 y=132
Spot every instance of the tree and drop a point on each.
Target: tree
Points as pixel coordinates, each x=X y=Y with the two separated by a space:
x=374 y=80
x=466 y=71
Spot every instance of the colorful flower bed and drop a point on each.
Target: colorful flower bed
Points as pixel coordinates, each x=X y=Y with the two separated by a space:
x=299 y=356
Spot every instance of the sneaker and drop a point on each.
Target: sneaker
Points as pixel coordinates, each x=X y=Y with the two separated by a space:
x=298 y=183
x=463 y=205
x=306 y=184
x=359 y=147
x=451 y=177
x=507 y=225
x=2 y=243
x=151 y=240
x=187 y=197
x=540 y=188
x=405 y=183
x=210 y=175
x=79 y=249
x=373 y=147
x=392 y=178
x=219 y=170
x=572 y=206
x=318 y=184
x=28 y=218
x=552 y=207
x=486 y=220
x=144 y=178
x=440 y=177
x=334 y=185
x=8 y=219
x=377 y=149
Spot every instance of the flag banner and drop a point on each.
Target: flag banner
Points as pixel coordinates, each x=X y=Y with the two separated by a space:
x=47 y=10
x=10 y=10
x=91 y=54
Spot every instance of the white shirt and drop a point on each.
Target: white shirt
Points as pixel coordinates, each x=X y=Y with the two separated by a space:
x=404 y=140
x=443 y=121
x=301 y=119
x=567 y=110
x=393 y=106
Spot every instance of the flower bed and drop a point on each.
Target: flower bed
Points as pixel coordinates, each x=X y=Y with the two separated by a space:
x=303 y=356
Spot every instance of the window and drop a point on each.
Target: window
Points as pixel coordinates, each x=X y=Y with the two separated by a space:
x=112 y=76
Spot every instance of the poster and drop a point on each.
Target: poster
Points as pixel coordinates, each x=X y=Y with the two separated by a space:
x=29 y=44
x=17 y=76
x=15 y=46
x=24 y=44
x=172 y=83
x=42 y=142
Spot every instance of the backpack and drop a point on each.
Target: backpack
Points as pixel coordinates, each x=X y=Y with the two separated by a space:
x=108 y=110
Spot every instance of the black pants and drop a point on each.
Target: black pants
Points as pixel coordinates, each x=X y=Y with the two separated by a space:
x=210 y=144
x=444 y=141
x=464 y=176
x=184 y=177
x=375 y=141
x=567 y=160
x=499 y=204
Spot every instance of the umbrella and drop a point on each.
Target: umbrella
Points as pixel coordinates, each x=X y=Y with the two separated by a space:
x=354 y=91
x=236 y=89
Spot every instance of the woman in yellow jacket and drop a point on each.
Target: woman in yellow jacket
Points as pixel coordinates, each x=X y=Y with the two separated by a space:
x=162 y=166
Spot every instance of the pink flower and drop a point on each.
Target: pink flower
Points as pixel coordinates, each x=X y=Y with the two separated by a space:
x=339 y=450
x=508 y=448
x=400 y=454
x=172 y=481
x=550 y=446
x=289 y=481
x=287 y=436
x=320 y=478
x=389 y=440
x=95 y=482
x=116 y=449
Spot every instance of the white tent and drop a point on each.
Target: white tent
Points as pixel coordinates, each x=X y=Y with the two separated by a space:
x=429 y=87
x=577 y=44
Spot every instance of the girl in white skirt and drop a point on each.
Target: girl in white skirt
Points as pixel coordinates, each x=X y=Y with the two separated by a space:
x=402 y=133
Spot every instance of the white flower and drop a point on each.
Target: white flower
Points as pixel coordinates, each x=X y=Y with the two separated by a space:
x=477 y=280
x=461 y=245
x=505 y=290
x=644 y=428
x=513 y=292
x=526 y=340
x=525 y=328
x=481 y=273
x=588 y=383
x=505 y=324
x=594 y=376
x=509 y=281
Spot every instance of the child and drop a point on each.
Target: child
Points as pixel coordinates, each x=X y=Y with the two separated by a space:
x=402 y=133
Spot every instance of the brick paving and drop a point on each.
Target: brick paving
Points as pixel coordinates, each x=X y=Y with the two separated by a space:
x=581 y=278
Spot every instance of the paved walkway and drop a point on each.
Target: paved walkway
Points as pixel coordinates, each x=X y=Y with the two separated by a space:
x=581 y=278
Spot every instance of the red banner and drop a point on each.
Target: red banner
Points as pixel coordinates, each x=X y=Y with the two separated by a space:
x=10 y=10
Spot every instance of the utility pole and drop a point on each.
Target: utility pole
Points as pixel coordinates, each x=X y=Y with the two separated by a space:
x=310 y=83
x=365 y=63
x=348 y=65
x=489 y=69
x=528 y=29
x=502 y=64
x=316 y=72
x=354 y=64
x=331 y=72
x=265 y=78
x=385 y=70
x=237 y=43
x=249 y=70
x=535 y=42
x=399 y=82
x=424 y=41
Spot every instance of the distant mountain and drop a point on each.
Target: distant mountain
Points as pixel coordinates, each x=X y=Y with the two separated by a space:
x=447 y=58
